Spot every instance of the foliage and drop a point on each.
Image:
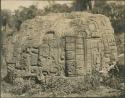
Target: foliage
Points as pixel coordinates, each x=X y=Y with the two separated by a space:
x=116 y=14
x=56 y=8
x=70 y=85
x=120 y=41
x=59 y=86
x=20 y=89
x=5 y=17
x=21 y=15
x=81 y=5
x=26 y=13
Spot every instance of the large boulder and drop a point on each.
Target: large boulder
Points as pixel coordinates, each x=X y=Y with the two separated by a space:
x=45 y=42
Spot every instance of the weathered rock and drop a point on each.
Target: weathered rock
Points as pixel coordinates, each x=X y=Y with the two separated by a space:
x=68 y=43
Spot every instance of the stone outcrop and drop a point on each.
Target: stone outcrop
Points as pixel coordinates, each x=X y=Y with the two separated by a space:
x=62 y=44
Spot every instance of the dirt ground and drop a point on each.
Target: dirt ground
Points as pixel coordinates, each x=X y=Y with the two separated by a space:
x=99 y=92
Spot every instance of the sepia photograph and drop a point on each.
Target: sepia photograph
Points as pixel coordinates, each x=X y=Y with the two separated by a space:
x=62 y=48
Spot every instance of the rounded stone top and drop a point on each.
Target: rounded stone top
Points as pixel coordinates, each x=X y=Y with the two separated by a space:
x=92 y=25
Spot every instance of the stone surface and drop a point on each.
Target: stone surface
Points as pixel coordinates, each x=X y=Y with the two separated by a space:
x=63 y=43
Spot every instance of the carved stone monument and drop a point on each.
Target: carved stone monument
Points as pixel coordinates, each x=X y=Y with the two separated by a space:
x=61 y=44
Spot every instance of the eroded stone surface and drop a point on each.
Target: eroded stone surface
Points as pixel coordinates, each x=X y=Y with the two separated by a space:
x=68 y=44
